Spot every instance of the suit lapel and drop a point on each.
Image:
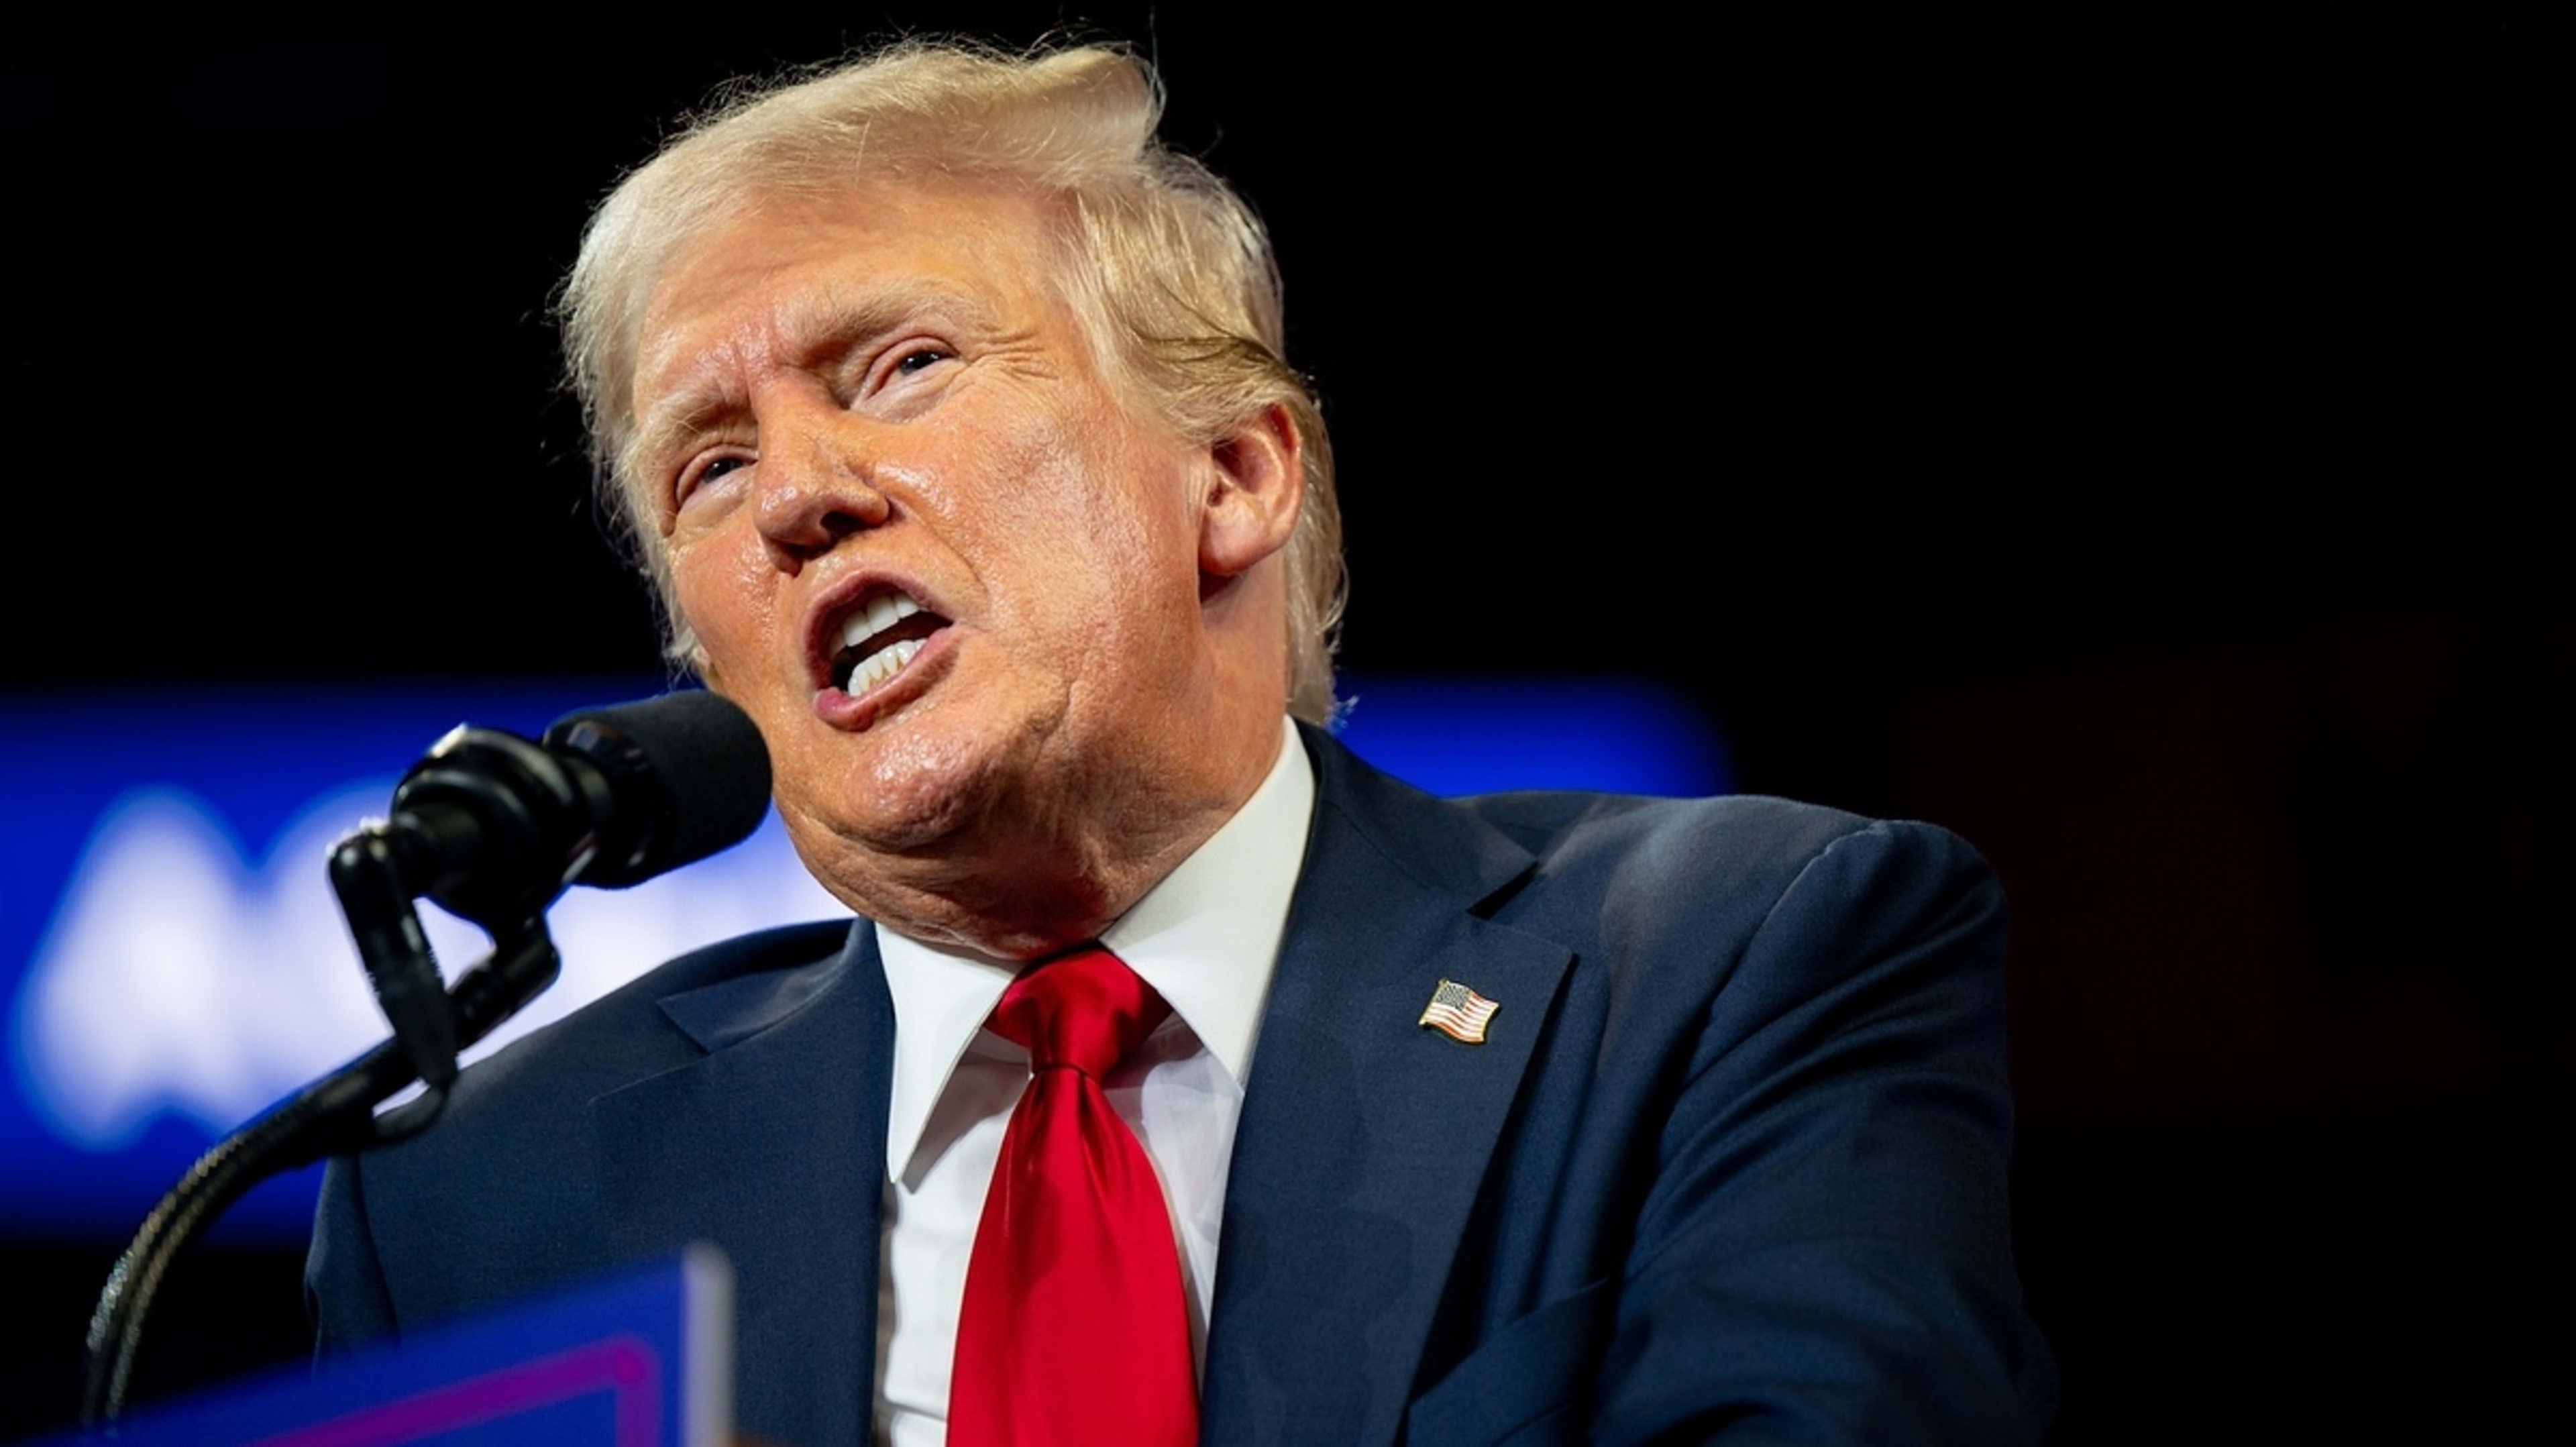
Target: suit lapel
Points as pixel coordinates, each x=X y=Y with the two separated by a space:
x=1364 y=1137
x=772 y=1146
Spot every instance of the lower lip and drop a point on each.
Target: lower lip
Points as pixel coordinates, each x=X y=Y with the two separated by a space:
x=841 y=711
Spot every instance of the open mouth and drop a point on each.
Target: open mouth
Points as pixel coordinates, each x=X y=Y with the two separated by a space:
x=878 y=638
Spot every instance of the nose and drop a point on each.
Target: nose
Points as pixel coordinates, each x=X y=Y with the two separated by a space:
x=813 y=491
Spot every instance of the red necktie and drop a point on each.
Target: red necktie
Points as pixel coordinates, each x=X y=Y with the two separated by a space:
x=1072 y=1333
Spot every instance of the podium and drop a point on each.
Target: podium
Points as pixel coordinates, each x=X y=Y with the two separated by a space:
x=643 y=1359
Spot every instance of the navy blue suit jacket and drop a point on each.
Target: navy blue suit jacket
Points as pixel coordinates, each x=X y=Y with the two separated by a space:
x=1731 y=1165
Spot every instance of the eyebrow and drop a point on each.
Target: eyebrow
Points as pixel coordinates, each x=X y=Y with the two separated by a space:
x=815 y=327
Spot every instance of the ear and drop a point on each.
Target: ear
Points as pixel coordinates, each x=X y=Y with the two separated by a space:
x=1255 y=487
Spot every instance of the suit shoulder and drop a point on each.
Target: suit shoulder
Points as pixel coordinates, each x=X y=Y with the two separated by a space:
x=516 y=1125
x=626 y=1032
x=762 y=952
x=1743 y=835
x=1637 y=870
x=1549 y=852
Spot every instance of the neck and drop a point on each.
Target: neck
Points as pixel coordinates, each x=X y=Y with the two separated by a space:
x=1017 y=887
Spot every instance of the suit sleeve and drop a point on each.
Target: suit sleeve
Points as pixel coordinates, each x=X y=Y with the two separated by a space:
x=1824 y=1253
x=344 y=1286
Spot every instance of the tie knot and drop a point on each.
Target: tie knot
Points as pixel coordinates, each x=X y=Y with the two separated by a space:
x=1085 y=1010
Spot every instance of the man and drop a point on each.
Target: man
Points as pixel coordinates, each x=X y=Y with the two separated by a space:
x=950 y=416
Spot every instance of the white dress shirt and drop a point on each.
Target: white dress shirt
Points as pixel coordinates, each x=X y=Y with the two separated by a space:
x=1206 y=938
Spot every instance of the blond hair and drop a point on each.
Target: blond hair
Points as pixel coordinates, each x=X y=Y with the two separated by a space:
x=1173 y=268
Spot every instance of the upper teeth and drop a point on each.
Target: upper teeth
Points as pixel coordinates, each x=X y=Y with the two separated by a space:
x=876 y=618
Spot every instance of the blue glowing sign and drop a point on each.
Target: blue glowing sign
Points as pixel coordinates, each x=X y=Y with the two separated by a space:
x=171 y=960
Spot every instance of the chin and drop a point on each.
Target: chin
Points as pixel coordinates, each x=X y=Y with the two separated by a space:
x=908 y=791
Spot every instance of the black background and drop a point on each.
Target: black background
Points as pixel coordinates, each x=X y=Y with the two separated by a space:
x=2125 y=442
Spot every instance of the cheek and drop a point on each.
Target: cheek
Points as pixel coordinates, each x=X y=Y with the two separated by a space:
x=725 y=594
x=1097 y=519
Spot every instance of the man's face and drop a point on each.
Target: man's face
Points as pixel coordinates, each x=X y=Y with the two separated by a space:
x=950 y=571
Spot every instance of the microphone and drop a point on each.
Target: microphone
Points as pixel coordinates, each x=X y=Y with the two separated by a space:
x=688 y=772
x=494 y=826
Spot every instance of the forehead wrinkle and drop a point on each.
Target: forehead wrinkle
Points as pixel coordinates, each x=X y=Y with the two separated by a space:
x=808 y=329
x=814 y=328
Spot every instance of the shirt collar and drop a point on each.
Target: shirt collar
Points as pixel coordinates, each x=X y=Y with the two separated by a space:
x=1206 y=938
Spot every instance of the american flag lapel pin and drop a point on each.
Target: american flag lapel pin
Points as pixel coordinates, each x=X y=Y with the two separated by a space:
x=1458 y=1012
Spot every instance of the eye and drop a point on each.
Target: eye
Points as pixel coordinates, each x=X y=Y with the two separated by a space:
x=695 y=479
x=921 y=359
x=906 y=376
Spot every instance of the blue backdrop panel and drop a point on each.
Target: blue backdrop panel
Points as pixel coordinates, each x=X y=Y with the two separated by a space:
x=171 y=960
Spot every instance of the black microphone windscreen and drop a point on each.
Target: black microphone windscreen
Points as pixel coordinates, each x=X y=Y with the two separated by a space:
x=692 y=762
